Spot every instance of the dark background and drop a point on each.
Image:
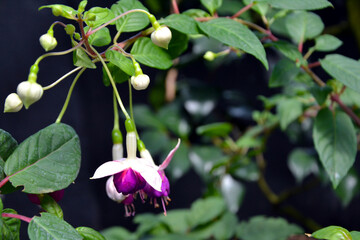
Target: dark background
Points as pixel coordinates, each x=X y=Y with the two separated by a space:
x=90 y=114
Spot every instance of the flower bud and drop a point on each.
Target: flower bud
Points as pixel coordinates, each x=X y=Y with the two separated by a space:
x=13 y=103
x=48 y=42
x=140 y=82
x=210 y=56
x=117 y=151
x=29 y=92
x=161 y=37
x=112 y=192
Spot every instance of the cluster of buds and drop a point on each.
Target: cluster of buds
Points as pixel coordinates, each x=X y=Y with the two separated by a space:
x=28 y=92
x=132 y=176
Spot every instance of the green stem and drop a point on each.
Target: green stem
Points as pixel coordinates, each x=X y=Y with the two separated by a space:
x=58 y=120
x=112 y=84
x=116 y=114
x=60 y=79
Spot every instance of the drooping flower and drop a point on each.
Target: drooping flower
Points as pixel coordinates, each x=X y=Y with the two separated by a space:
x=152 y=193
x=29 y=92
x=140 y=82
x=161 y=37
x=48 y=42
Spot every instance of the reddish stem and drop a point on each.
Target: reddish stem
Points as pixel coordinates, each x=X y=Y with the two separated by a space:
x=314 y=64
x=175 y=7
x=18 y=216
x=84 y=36
x=241 y=11
x=4 y=181
x=300 y=46
x=347 y=110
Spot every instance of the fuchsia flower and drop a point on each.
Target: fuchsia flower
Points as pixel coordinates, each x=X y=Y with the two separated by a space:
x=133 y=175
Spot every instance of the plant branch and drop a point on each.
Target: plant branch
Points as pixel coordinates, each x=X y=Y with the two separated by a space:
x=175 y=7
x=4 y=181
x=314 y=64
x=84 y=36
x=313 y=76
x=18 y=216
x=244 y=9
x=347 y=110
x=62 y=78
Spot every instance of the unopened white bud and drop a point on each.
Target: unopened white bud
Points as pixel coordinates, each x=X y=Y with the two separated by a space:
x=13 y=103
x=161 y=37
x=29 y=92
x=111 y=191
x=140 y=82
x=48 y=42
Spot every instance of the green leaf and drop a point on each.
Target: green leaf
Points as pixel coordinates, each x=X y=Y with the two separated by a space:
x=61 y=10
x=344 y=69
x=273 y=228
x=51 y=227
x=303 y=26
x=225 y=227
x=118 y=59
x=103 y=15
x=116 y=233
x=348 y=187
x=232 y=191
x=194 y=13
x=215 y=129
x=205 y=210
x=288 y=111
x=301 y=164
x=236 y=35
x=351 y=98
x=89 y=233
x=147 y=53
x=181 y=23
x=320 y=93
x=289 y=51
x=259 y=7
x=299 y=4
x=8 y=144
x=355 y=235
x=178 y=44
x=51 y=206
x=118 y=75
x=146 y=118
x=130 y=22
x=170 y=116
x=177 y=220
x=211 y=5
x=47 y=161
x=327 y=43
x=100 y=38
x=332 y=233
x=81 y=59
x=9 y=227
x=284 y=71
x=335 y=141
x=155 y=141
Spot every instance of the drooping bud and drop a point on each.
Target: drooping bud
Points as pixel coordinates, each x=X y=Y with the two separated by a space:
x=13 y=103
x=161 y=37
x=210 y=56
x=29 y=92
x=140 y=82
x=47 y=41
x=112 y=192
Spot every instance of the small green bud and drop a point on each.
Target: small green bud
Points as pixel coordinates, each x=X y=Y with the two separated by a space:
x=48 y=42
x=161 y=37
x=13 y=103
x=82 y=6
x=129 y=125
x=116 y=136
x=140 y=82
x=209 y=56
x=141 y=145
x=77 y=36
x=90 y=17
x=29 y=92
x=70 y=29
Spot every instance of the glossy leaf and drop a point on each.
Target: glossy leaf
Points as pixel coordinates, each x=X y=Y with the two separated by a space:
x=51 y=227
x=332 y=233
x=178 y=44
x=260 y=7
x=289 y=51
x=326 y=43
x=146 y=118
x=155 y=141
x=299 y=4
x=204 y=210
x=348 y=188
x=181 y=23
x=335 y=141
x=303 y=26
x=118 y=59
x=132 y=21
x=215 y=129
x=288 y=111
x=355 y=235
x=284 y=71
x=9 y=227
x=301 y=164
x=233 y=192
x=100 y=38
x=116 y=233
x=47 y=161
x=118 y=75
x=272 y=228
x=171 y=117
x=61 y=10
x=203 y=159
x=8 y=144
x=103 y=15
x=177 y=220
x=320 y=93
x=211 y=5
x=344 y=69
x=147 y=53
x=81 y=59
x=50 y=205
x=225 y=227
x=89 y=233
x=236 y=35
